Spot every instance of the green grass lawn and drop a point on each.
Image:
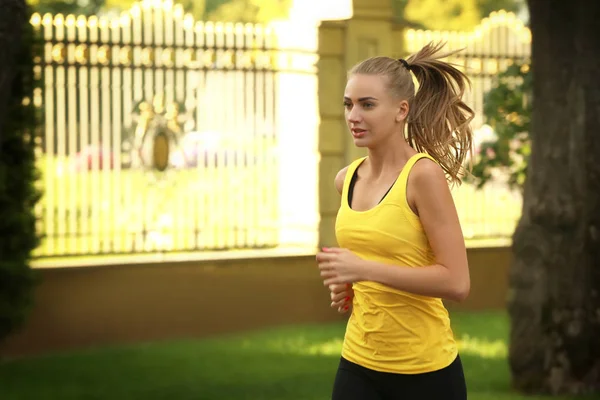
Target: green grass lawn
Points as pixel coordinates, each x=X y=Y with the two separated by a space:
x=279 y=364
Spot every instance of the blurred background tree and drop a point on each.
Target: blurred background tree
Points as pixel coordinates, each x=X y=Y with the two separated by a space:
x=99 y=7
x=254 y=11
x=461 y=15
x=85 y=7
x=488 y=6
x=458 y=15
x=453 y=15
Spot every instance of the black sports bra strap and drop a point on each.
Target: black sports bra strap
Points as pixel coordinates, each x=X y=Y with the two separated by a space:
x=351 y=188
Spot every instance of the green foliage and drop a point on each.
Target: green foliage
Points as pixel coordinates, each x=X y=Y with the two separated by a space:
x=486 y=7
x=121 y=5
x=18 y=194
x=87 y=7
x=212 y=5
x=456 y=15
x=253 y=11
x=459 y=15
x=95 y=7
x=507 y=108
x=427 y=14
x=195 y=7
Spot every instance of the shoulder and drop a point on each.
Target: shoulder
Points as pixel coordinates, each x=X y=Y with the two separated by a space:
x=428 y=172
x=428 y=185
x=339 y=179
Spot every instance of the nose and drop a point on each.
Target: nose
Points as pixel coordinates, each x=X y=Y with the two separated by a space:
x=353 y=115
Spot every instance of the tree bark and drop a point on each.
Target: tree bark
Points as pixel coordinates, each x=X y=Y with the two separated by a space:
x=554 y=302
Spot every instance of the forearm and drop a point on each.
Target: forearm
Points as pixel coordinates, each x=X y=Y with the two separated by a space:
x=432 y=281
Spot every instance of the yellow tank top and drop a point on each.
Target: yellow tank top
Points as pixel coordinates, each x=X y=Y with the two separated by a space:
x=390 y=330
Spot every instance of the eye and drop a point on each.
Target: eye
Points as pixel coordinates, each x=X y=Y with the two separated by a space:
x=347 y=104
x=368 y=105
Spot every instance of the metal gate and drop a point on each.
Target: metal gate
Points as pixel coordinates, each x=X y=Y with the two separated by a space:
x=160 y=133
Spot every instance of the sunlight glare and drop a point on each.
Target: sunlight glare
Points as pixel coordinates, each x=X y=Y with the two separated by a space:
x=497 y=349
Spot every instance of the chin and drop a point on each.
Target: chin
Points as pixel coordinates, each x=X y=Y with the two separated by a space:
x=362 y=142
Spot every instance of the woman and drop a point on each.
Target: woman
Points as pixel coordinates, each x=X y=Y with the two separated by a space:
x=401 y=246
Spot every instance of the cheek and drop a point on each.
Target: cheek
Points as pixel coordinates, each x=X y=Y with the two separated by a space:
x=381 y=120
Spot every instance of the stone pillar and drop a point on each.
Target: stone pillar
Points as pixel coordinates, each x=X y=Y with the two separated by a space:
x=370 y=31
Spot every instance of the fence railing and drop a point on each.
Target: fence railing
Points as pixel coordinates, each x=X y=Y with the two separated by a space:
x=165 y=134
x=161 y=133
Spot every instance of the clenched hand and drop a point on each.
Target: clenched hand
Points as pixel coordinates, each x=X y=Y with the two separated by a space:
x=340 y=266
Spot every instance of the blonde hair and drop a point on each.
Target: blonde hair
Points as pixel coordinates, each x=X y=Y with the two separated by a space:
x=438 y=120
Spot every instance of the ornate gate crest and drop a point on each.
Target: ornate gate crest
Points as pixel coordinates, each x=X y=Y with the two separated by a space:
x=155 y=138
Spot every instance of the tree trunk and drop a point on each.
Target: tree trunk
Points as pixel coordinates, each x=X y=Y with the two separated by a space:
x=554 y=302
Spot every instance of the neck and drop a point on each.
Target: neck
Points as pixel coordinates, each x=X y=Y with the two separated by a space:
x=390 y=155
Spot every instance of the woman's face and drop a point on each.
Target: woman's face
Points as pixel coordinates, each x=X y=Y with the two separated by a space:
x=373 y=114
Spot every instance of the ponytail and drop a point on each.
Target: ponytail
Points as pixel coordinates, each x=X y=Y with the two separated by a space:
x=439 y=120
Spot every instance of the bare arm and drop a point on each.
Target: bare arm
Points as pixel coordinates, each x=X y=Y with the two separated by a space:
x=449 y=278
x=339 y=180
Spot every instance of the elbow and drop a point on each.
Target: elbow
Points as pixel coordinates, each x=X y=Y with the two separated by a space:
x=460 y=292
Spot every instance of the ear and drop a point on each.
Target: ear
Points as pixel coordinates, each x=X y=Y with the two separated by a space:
x=402 y=111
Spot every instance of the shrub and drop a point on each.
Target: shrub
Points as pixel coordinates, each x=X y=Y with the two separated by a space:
x=507 y=109
x=18 y=193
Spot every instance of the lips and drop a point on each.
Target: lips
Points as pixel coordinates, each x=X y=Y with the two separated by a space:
x=358 y=133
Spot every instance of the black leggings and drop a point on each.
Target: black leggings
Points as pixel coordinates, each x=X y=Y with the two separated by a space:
x=354 y=382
